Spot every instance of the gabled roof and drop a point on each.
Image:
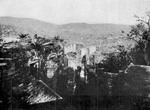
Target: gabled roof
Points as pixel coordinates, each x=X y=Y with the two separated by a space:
x=5 y=58
x=3 y=64
x=39 y=92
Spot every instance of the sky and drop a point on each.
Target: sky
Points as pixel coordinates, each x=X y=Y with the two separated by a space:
x=72 y=11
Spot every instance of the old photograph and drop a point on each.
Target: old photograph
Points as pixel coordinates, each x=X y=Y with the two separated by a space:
x=74 y=54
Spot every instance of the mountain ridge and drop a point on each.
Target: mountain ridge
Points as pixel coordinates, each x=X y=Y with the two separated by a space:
x=85 y=32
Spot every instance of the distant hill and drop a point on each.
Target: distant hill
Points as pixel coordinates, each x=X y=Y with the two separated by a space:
x=81 y=32
x=36 y=26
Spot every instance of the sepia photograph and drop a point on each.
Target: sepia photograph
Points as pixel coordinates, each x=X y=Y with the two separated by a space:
x=74 y=54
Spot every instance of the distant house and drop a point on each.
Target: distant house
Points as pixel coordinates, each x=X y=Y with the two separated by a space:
x=70 y=48
x=80 y=51
x=92 y=49
x=84 y=51
x=73 y=53
x=12 y=38
x=72 y=63
x=73 y=47
x=51 y=67
x=88 y=52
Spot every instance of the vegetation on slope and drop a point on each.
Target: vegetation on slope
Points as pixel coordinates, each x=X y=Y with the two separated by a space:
x=119 y=88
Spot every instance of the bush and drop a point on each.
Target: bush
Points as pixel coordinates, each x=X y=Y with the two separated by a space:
x=116 y=61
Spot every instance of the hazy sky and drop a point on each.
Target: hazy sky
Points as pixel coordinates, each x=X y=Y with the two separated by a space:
x=68 y=11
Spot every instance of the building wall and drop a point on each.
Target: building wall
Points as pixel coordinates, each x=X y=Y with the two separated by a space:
x=70 y=48
x=92 y=49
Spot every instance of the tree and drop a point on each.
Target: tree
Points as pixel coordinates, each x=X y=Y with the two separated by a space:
x=20 y=53
x=117 y=60
x=141 y=35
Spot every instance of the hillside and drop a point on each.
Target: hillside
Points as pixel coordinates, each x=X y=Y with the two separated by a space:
x=80 y=32
x=28 y=24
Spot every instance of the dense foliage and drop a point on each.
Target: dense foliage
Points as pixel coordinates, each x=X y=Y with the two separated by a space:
x=106 y=84
x=21 y=55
